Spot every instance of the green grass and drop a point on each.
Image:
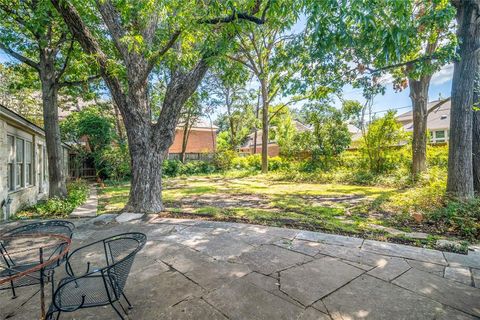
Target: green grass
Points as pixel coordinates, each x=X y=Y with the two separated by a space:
x=260 y=200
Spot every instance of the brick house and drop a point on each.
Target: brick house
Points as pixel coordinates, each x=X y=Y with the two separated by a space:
x=23 y=163
x=273 y=148
x=201 y=143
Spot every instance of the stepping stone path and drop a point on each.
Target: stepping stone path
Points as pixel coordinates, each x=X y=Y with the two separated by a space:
x=202 y=270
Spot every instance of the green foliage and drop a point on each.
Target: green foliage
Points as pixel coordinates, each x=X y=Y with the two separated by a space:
x=115 y=162
x=173 y=168
x=91 y=130
x=224 y=159
x=77 y=194
x=456 y=217
x=382 y=137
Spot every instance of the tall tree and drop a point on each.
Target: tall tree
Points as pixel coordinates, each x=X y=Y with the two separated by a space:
x=460 y=166
x=138 y=37
x=33 y=33
x=476 y=140
x=262 y=51
x=192 y=111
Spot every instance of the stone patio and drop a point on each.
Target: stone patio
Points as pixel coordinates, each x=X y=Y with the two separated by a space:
x=193 y=269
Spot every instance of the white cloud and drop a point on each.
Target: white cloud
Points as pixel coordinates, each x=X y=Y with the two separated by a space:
x=444 y=75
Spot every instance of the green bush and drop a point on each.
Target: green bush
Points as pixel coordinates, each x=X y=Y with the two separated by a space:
x=77 y=194
x=114 y=162
x=462 y=218
x=224 y=160
x=174 y=168
x=437 y=156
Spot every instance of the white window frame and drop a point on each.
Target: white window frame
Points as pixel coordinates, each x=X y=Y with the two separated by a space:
x=20 y=182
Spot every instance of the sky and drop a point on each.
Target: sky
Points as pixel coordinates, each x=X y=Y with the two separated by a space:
x=440 y=86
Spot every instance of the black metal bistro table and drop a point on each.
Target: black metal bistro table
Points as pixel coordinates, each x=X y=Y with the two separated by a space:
x=30 y=259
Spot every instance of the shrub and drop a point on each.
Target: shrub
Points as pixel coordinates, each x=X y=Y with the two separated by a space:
x=224 y=160
x=457 y=217
x=115 y=163
x=171 y=168
x=77 y=194
x=174 y=168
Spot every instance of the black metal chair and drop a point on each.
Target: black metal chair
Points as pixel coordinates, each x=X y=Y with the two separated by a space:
x=102 y=283
x=57 y=227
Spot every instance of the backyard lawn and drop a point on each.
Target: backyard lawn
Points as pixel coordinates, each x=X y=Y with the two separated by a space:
x=336 y=208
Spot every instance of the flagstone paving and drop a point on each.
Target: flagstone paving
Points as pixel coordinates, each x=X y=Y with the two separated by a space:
x=191 y=269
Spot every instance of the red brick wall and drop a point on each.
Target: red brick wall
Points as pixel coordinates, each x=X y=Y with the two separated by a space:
x=199 y=141
x=273 y=150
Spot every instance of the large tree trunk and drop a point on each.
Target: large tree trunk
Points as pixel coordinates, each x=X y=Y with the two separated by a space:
x=419 y=97
x=56 y=175
x=476 y=141
x=460 y=168
x=265 y=124
x=146 y=163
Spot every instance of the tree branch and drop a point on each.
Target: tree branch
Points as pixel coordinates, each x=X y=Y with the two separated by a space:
x=157 y=55
x=65 y=63
x=79 y=82
x=241 y=15
x=438 y=105
x=20 y=57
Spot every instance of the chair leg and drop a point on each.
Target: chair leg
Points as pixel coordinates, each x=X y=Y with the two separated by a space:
x=117 y=311
x=58 y=315
x=126 y=299
x=13 y=290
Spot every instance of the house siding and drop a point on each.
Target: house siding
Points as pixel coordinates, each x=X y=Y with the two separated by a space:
x=37 y=189
x=199 y=141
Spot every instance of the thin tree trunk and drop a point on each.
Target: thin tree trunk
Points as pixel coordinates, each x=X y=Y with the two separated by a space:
x=265 y=124
x=460 y=168
x=257 y=111
x=186 y=133
x=56 y=176
x=419 y=97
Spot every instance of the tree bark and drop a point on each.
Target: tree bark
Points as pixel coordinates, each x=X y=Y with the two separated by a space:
x=56 y=175
x=419 y=97
x=460 y=167
x=265 y=124
x=476 y=141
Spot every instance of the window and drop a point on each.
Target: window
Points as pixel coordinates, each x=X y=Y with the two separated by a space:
x=44 y=165
x=28 y=163
x=10 y=163
x=19 y=160
x=440 y=136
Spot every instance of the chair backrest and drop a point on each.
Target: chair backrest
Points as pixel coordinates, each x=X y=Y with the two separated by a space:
x=60 y=227
x=120 y=251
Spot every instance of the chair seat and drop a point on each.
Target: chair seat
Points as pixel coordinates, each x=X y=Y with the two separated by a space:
x=92 y=288
x=27 y=280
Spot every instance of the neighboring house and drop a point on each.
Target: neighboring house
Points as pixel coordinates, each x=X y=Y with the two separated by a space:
x=201 y=143
x=273 y=148
x=23 y=163
x=438 y=121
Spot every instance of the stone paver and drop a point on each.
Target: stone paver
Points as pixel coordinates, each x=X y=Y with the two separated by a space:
x=89 y=208
x=314 y=280
x=462 y=275
x=192 y=310
x=267 y=259
x=391 y=269
x=476 y=277
x=427 y=267
x=471 y=260
x=313 y=314
x=242 y=300
x=330 y=238
x=191 y=269
x=451 y=293
x=403 y=251
x=129 y=216
x=370 y=298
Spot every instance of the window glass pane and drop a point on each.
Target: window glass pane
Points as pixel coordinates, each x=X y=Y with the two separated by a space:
x=11 y=149
x=440 y=134
x=19 y=150
x=11 y=184
x=28 y=152
x=19 y=175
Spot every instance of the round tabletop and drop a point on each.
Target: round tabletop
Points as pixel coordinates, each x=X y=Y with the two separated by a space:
x=25 y=254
